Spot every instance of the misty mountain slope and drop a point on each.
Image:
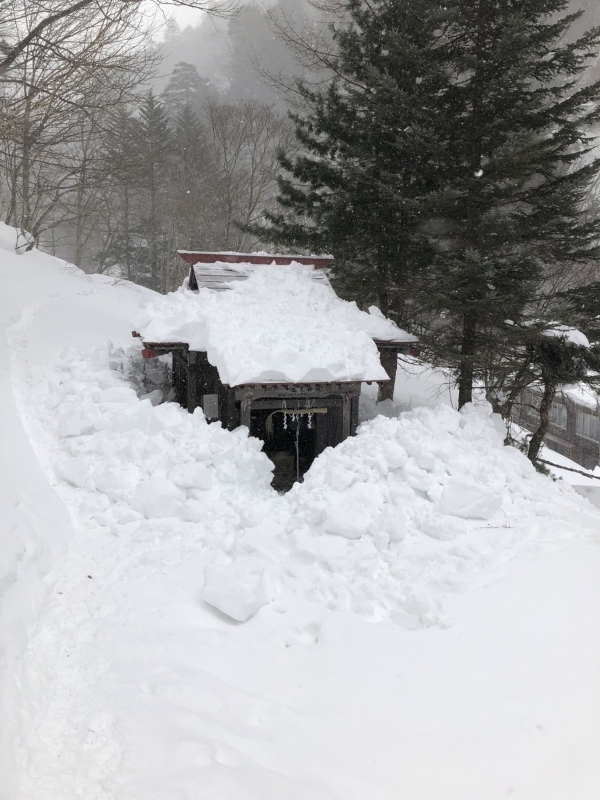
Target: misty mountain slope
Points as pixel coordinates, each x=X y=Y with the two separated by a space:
x=234 y=54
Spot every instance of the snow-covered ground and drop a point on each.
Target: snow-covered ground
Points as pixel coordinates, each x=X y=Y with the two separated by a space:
x=422 y=615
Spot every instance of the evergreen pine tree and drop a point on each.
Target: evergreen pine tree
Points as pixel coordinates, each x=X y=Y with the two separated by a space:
x=367 y=152
x=517 y=165
x=185 y=89
x=154 y=148
x=447 y=163
x=121 y=249
x=193 y=175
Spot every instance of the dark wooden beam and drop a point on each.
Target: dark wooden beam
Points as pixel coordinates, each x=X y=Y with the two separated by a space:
x=346 y=416
x=193 y=399
x=354 y=414
x=245 y=411
x=275 y=403
x=296 y=390
x=322 y=433
x=166 y=345
x=230 y=415
x=180 y=378
x=203 y=257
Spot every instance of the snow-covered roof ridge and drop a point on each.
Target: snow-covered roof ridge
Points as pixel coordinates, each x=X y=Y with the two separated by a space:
x=267 y=257
x=219 y=275
x=278 y=326
x=581 y=394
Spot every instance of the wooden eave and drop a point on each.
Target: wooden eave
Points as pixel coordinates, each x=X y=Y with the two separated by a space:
x=201 y=257
x=384 y=344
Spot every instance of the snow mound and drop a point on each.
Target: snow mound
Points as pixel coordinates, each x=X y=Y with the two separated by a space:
x=135 y=460
x=411 y=506
x=571 y=335
x=425 y=465
x=277 y=326
x=385 y=525
x=118 y=681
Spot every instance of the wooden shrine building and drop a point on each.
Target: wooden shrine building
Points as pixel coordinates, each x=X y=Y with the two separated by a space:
x=296 y=420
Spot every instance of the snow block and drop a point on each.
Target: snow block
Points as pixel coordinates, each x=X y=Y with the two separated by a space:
x=157 y=499
x=346 y=518
x=238 y=590
x=461 y=498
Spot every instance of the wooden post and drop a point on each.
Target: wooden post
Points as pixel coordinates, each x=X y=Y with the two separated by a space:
x=354 y=415
x=389 y=361
x=193 y=401
x=180 y=378
x=229 y=413
x=346 y=416
x=245 y=411
x=322 y=425
x=192 y=282
x=176 y=372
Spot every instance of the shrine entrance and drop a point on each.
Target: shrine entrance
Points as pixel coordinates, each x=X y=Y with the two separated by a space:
x=294 y=433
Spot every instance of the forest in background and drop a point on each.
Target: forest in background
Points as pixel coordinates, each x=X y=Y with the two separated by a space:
x=279 y=126
x=116 y=151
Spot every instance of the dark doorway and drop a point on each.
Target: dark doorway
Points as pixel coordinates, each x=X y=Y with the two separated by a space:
x=290 y=441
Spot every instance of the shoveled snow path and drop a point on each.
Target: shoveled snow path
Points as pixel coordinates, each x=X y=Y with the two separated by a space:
x=132 y=689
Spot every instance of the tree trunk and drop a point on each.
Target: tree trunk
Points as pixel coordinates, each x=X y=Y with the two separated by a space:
x=25 y=221
x=127 y=234
x=153 y=237
x=538 y=436
x=467 y=351
x=383 y=288
x=79 y=219
x=468 y=346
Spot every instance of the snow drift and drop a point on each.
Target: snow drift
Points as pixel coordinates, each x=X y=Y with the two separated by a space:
x=136 y=538
x=427 y=483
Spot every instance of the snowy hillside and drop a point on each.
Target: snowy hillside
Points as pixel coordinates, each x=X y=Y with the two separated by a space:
x=419 y=619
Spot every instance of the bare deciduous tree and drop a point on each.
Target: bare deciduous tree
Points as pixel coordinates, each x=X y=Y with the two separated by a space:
x=50 y=24
x=244 y=138
x=65 y=66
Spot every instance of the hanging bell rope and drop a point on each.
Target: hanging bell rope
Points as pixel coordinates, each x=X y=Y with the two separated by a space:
x=290 y=412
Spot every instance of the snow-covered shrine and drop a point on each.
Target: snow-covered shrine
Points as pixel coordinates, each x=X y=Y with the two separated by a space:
x=264 y=341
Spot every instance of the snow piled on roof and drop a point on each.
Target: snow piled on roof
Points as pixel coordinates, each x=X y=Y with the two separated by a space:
x=572 y=335
x=279 y=326
x=582 y=394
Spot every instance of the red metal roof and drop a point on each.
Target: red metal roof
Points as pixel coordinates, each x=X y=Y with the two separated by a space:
x=200 y=257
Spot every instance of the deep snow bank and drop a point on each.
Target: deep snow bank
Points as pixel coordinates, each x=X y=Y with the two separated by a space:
x=380 y=526
x=146 y=461
x=44 y=304
x=393 y=518
x=132 y=687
